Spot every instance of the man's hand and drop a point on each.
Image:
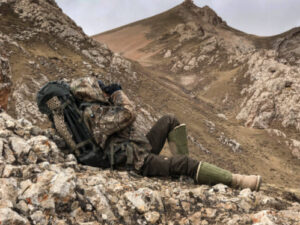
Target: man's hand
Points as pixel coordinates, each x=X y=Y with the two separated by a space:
x=110 y=89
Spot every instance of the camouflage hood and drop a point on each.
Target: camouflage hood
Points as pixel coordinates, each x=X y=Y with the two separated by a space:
x=87 y=89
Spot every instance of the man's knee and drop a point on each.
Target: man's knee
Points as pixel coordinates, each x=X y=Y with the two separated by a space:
x=183 y=165
x=156 y=165
x=171 y=120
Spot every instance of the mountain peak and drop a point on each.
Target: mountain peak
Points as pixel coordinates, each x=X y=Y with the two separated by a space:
x=188 y=2
x=203 y=13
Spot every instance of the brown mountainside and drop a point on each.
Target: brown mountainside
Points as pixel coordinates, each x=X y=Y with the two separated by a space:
x=222 y=83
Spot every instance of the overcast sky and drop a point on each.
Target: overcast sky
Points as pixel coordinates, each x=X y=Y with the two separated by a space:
x=260 y=17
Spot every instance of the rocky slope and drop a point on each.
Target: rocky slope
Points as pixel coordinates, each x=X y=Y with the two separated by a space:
x=39 y=43
x=41 y=183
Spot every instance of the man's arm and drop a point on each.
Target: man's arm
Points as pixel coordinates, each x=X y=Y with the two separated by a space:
x=107 y=120
x=122 y=111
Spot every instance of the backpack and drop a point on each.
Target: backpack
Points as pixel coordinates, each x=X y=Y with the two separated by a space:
x=56 y=100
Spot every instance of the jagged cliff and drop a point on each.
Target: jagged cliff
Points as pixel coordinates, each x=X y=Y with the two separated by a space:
x=41 y=183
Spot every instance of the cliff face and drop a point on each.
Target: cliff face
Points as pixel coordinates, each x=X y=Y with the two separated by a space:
x=41 y=183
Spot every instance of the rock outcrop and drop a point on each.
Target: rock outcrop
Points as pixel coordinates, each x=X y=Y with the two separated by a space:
x=5 y=82
x=40 y=43
x=41 y=184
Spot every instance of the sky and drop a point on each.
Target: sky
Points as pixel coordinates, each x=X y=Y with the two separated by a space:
x=259 y=17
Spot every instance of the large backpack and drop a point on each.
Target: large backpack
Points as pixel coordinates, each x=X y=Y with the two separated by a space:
x=57 y=101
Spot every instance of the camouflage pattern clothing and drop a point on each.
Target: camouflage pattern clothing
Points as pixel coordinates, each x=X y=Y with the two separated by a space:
x=112 y=124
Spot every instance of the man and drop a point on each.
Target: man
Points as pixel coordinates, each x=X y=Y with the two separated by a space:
x=112 y=124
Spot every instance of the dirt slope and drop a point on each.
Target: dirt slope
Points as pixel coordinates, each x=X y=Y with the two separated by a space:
x=222 y=83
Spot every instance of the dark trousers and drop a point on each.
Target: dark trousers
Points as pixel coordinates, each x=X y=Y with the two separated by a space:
x=157 y=165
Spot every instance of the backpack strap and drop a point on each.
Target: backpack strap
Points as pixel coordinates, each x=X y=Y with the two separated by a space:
x=58 y=117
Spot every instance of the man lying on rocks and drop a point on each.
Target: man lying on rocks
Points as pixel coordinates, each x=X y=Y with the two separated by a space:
x=110 y=116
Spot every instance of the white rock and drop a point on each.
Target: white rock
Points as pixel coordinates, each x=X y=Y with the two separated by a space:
x=168 y=54
x=4 y=203
x=246 y=193
x=31 y=158
x=144 y=198
x=222 y=116
x=38 y=217
x=63 y=184
x=152 y=217
x=8 y=216
x=19 y=146
x=221 y=188
x=9 y=156
x=99 y=201
x=12 y=171
x=37 y=194
x=22 y=206
x=9 y=124
x=263 y=218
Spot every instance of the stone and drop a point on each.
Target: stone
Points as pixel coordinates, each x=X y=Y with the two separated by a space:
x=38 y=218
x=12 y=171
x=246 y=193
x=37 y=194
x=152 y=217
x=220 y=188
x=144 y=198
x=99 y=201
x=63 y=184
x=8 y=216
x=222 y=116
x=23 y=207
x=264 y=217
x=35 y=131
x=19 y=146
x=9 y=156
x=186 y=206
x=45 y=149
x=168 y=53
x=245 y=205
x=31 y=158
x=196 y=218
x=9 y=124
x=293 y=215
x=6 y=204
x=209 y=212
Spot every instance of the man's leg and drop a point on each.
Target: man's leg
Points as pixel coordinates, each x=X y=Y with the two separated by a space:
x=157 y=165
x=159 y=132
x=201 y=172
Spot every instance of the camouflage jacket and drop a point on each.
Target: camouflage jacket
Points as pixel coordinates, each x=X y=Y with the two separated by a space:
x=113 y=124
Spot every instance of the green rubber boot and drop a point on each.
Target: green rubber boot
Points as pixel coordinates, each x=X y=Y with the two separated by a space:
x=177 y=140
x=211 y=175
